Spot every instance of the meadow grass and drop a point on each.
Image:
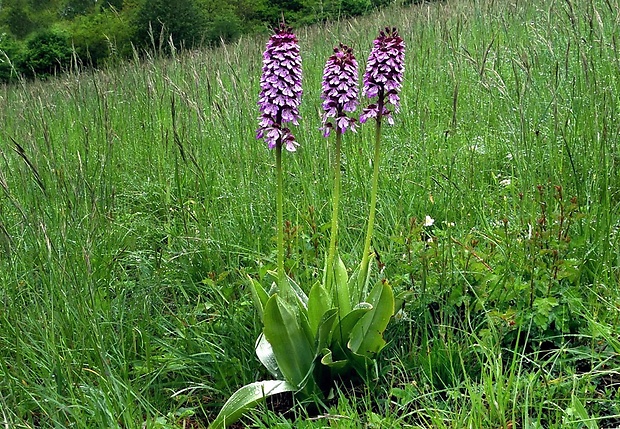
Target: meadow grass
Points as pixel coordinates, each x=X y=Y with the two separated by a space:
x=135 y=200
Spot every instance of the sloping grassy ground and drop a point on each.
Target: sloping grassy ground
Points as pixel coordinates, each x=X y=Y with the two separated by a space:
x=135 y=200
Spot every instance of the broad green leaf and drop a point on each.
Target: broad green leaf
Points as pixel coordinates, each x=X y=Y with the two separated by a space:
x=324 y=331
x=343 y=327
x=259 y=295
x=367 y=335
x=362 y=364
x=246 y=398
x=319 y=302
x=299 y=293
x=305 y=326
x=265 y=354
x=364 y=306
x=324 y=280
x=343 y=300
x=289 y=340
x=358 y=283
x=338 y=367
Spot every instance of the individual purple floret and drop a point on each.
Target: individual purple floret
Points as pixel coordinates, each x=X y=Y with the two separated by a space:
x=384 y=75
x=339 y=90
x=280 y=86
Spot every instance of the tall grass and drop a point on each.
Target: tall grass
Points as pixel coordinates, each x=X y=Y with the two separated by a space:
x=134 y=201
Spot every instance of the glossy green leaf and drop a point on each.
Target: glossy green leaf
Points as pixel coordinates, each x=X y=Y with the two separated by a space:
x=343 y=300
x=337 y=367
x=342 y=328
x=358 y=283
x=265 y=354
x=324 y=332
x=299 y=293
x=288 y=337
x=319 y=301
x=367 y=335
x=246 y=398
x=259 y=295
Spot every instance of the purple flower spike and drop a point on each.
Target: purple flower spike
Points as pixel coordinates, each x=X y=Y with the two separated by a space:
x=384 y=75
x=339 y=90
x=280 y=86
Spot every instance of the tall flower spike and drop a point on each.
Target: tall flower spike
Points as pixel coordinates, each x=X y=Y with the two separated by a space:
x=280 y=86
x=339 y=90
x=384 y=75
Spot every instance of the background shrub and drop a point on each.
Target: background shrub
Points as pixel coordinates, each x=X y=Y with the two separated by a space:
x=226 y=27
x=47 y=53
x=73 y=8
x=40 y=31
x=17 y=19
x=98 y=36
x=159 y=20
x=10 y=50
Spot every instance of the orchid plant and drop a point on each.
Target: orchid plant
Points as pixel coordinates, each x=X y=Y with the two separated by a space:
x=337 y=327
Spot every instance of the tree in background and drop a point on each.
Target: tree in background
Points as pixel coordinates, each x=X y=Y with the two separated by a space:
x=158 y=21
x=14 y=15
x=73 y=8
x=112 y=4
x=10 y=51
x=97 y=37
x=100 y=29
x=224 y=27
x=47 y=53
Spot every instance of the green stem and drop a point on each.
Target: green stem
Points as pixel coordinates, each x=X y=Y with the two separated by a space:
x=373 y=200
x=280 y=220
x=335 y=201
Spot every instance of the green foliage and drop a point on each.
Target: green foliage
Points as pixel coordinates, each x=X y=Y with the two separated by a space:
x=113 y=4
x=224 y=27
x=315 y=339
x=96 y=37
x=345 y=8
x=46 y=53
x=17 y=19
x=10 y=52
x=99 y=30
x=246 y=398
x=74 y=8
x=159 y=22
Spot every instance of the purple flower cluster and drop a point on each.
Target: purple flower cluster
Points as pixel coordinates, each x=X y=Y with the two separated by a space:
x=384 y=75
x=339 y=90
x=281 y=90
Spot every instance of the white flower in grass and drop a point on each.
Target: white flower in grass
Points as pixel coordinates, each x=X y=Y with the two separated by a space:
x=505 y=182
x=428 y=221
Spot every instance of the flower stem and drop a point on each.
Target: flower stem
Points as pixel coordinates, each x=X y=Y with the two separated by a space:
x=373 y=200
x=280 y=219
x=335 y=202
